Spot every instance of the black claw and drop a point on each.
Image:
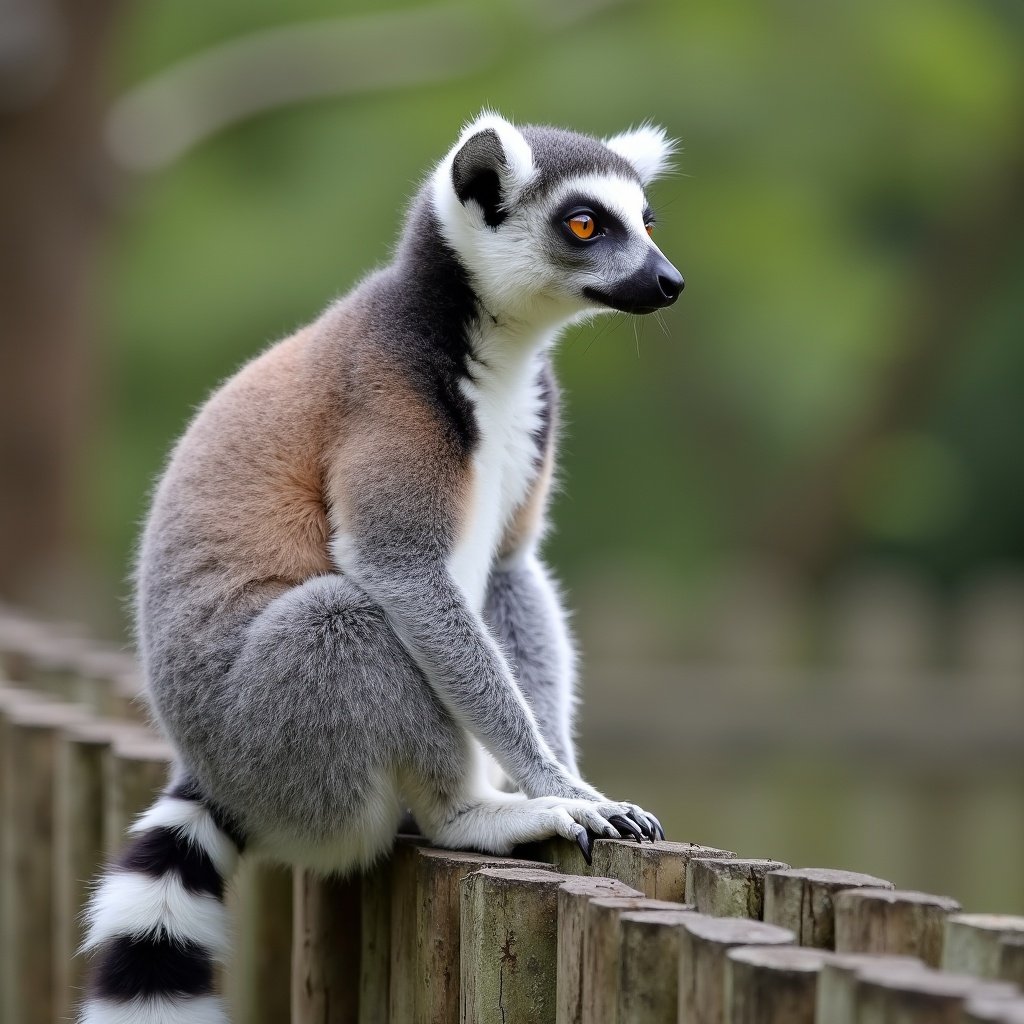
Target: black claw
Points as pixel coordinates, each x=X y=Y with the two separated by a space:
x=583 y=842
x=645 y=826
x=657 y=825
x=625 y=825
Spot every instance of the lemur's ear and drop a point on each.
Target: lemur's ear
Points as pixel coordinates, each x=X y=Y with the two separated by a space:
x=491 y=165
x=647 y=148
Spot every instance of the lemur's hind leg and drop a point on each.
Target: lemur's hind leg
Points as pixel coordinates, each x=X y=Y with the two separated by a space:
x=323 y=719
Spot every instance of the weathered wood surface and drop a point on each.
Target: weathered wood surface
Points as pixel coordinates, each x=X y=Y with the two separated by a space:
x=648 y=988
x=974 y=944
x=79 y=846
x=993 y=1010
x=802 y=900
x=326 y=938
x=884 y=995
x=729 y=887
x=28 y=745
x=837 y=982
x=602 y=944
x=136 y=769
x=258 y=977
x=574 y=898
x=772 y=984
x=658 y=870
x=435 y=971
x=509 y=948
x=703 y=944
x=897 y=922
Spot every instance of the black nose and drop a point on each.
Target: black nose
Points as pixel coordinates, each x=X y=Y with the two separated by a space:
x=671 y=284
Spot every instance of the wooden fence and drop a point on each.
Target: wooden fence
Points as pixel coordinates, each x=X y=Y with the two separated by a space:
x=663 y=932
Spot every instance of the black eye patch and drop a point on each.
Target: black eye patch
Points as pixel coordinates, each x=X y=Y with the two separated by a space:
x=606 y=221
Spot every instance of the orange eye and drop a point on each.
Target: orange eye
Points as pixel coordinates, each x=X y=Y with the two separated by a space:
x=582 y=225
x=649 y=228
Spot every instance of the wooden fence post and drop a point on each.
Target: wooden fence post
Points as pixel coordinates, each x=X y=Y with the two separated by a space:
x=918 y=996
x=79 y=847
x=135 y=771
x=658 y=870
x=435 y=969
x=509 y=941
x=731 y=887
x=772 y=984
x=648 y=989
x=893 y=921
x=703 y=943
x=258 y=976
x=402 y=931
x=801 y=899
x=574 y=896
x=992 y=1010
x=973 y=942
x=602 y=946
x=325 y=950
x=28 y=746
x=837 y=995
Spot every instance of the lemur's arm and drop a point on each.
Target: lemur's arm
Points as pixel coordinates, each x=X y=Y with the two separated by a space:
x=524 y=612
x=397 y=499
x=524 y=608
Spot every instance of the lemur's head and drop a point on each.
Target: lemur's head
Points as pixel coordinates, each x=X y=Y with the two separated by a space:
x=551 y=223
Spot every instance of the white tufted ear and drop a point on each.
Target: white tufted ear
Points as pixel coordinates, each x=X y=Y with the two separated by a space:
x=647 y=148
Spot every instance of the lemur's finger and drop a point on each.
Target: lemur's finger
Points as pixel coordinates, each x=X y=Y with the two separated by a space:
x=658 y=830
x=636 y=815
x=624 y=825
x=642 y=821
x=583 y=842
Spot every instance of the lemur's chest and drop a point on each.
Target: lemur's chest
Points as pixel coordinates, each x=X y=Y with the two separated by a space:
x=508 y=412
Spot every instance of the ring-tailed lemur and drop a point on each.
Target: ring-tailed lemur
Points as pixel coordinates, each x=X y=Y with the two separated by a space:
x=340 y=606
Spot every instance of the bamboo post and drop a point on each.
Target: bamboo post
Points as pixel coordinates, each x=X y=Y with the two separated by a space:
x=772 y=984
x=28 y=747
x=801 y=899
x=658 y=870
x=836 y=998
x=574 y=897
x=325 y=950
x=894 y=921
x=703 y=943
x=79 y=848
x=434 y=973
x=602 y=945
x=888 y=996
x=509 y=946
x=135 y=771
x=258 y=978
x=729 y=887
x=648 y=990
x=973 y=942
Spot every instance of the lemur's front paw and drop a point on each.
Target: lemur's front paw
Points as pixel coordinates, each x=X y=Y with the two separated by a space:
x=632 y=822
x=609 y=819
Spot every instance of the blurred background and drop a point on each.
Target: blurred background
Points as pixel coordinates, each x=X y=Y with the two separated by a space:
x=792 y=524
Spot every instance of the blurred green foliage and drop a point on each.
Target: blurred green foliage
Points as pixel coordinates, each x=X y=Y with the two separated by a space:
x=822 y=145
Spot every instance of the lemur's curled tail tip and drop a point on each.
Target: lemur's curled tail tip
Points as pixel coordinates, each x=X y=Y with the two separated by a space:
x=156 y=923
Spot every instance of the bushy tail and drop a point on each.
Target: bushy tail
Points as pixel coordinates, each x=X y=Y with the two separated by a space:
x=156 y=923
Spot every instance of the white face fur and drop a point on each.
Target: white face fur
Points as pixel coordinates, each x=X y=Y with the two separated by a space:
x=530 y=264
